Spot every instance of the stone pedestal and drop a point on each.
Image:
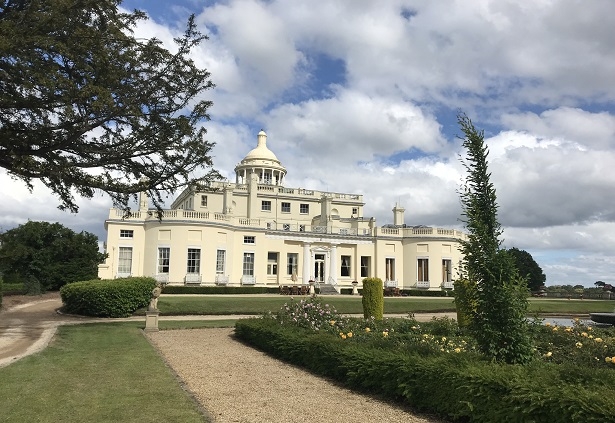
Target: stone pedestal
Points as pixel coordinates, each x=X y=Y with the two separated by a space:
x=151 y=321
x=355 y=291
x=312 y=291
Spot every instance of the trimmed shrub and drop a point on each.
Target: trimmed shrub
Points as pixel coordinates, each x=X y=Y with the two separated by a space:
x=373 y=298
x=107 y=298
x=179 y=289
x=1 y=291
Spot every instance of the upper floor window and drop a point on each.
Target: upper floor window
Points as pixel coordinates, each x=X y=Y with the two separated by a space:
x=355 y=210
x=203 y=201
x=304 y=208
x=126 y=233
x=248 y=239
x=285 y=207
x=266 y=205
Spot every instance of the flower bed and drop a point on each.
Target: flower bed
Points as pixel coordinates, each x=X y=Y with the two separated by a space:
x=434 y=367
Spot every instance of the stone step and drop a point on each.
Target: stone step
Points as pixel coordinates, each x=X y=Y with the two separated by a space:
x=327 y=289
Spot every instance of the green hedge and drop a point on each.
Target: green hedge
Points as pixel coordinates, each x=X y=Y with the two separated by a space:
x=178 y=289
x=456 y=386
x=423 y=293
x=107 y=298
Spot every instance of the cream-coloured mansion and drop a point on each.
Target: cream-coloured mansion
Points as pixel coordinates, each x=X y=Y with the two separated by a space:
x=258 y=232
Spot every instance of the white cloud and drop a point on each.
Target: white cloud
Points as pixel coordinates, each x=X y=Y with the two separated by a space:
x=353 y=127
x=593 y=130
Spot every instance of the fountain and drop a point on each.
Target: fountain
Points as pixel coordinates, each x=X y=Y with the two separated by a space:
x=603 y=318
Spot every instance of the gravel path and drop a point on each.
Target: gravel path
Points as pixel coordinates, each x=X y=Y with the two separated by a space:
x=236 y=383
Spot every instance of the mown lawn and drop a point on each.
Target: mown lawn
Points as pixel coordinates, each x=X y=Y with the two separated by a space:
x=210 y=304
x=95 y=373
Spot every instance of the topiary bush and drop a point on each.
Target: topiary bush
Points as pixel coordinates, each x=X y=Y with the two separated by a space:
x=373 y=298
x=107 y=298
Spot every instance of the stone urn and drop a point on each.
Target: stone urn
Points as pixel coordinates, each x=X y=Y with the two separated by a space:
x=355 y=291
x=312 y=291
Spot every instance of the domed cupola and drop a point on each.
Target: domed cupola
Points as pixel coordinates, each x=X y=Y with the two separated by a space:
x=260 y=162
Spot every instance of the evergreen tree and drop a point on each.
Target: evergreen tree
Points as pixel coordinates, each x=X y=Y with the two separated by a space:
x=494 y=294
x=87 y=106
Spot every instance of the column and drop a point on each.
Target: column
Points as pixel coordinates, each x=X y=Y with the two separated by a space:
x=306 y=262
x=333 y=264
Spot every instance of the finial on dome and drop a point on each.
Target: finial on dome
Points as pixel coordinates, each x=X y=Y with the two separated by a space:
x=262 y=138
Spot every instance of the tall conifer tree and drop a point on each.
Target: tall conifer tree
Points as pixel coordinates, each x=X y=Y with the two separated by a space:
x=497 y=294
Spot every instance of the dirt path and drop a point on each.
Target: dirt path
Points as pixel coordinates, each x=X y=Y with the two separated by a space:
x=27 y=324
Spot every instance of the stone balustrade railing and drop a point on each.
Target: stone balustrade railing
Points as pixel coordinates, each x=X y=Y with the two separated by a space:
x=362 y=231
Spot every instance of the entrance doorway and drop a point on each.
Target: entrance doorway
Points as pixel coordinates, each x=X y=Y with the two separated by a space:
x=319 y=268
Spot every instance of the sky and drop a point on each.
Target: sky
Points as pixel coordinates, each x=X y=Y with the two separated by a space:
x=360 y=96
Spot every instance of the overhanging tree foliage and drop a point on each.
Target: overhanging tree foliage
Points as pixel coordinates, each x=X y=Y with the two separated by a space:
x=528 y=268
x=86 y=106
x=46 y=255
x=490 y=291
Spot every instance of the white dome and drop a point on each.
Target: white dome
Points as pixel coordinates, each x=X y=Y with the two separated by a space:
x=261 y=152
x=262 y=162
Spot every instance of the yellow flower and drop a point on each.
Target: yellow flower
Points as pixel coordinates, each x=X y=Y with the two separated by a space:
x=607 y=359
x=591 y=336
x=554 y=328
x=598 y=339
x=443 y=338
x=367 y=329
x=343 y=336
x=332 y=322
x=547 y=324
x=578 y=345
x=568 y=329
x=589 y=329
x=549 y=354
x=349 y=334
x=385 y=333
x=457 y=350
x=584 y=334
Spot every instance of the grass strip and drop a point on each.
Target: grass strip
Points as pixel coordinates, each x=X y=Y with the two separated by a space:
x=94 y=373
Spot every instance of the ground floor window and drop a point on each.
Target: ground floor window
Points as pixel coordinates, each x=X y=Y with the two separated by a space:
x=447 y=270
x=194 y=260
x=164 y=260
x=423 y=270
x=292 y=263
x=124 y=263
x=220 y=261
x=365 y=266
x=390 y=269
x=345 y=269
x=248 y=264
x=272 y=263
